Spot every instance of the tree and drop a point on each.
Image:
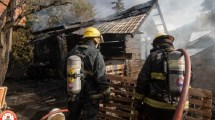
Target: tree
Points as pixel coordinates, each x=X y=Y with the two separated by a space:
x=206 y=20
x=118 y=6
x=77 y=11
x=8 y=21
x=208 y=5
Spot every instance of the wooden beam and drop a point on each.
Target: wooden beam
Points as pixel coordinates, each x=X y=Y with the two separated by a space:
x=132 y=50
x=124 y=79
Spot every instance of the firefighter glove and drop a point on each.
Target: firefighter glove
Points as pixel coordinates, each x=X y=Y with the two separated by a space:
x=106 y=95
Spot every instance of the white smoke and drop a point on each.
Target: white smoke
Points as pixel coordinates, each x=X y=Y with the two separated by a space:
x=53 y=17
x=176 y=12
x=179 y=12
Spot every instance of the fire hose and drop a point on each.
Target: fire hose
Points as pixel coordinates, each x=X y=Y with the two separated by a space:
x=97 y=96
x=183 y=97
x=54 y=112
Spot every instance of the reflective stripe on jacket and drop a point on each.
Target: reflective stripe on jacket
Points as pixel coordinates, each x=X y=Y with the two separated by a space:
x=158 y=76
x=163 y=105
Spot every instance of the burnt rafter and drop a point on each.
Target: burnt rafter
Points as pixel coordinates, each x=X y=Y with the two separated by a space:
x=132 y=17
x=125 y=22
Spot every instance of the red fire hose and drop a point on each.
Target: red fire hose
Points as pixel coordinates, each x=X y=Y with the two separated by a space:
x=54 y=112
x=183 y=97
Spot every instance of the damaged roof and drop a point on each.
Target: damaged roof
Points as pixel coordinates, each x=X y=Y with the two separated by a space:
x=120 y=26
x=126 y=22
x=203 y=42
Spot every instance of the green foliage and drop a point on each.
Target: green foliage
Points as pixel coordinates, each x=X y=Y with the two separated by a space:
x=118 y=6
x=82 y=9
x=22 y=51
x=75 y=11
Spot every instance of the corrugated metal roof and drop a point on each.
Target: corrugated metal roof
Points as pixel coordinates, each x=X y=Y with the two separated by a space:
x=121 y=26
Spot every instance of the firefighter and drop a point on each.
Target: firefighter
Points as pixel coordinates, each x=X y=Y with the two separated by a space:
x=84 y=105
x=153 y=99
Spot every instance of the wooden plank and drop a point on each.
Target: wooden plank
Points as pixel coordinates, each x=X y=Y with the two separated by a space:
x=115 y=67
x=121 y=99
x=203 y=103
x=200 y=93
x=124 y=79
x=109 y=117
x=192 y=118
x=115 y=72
x=133 y=70
x=121 y=106
x=204 y=112
x=3 y=92
x=120 y=92
x=132 y=50
x=133 y=45
x=136 y=56
x=118 y=112
x=126 y=87
x=134 y=62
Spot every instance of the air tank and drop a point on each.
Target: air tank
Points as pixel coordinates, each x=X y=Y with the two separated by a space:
x=74 y=75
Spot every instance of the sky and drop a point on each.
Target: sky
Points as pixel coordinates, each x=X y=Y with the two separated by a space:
x=176 y=12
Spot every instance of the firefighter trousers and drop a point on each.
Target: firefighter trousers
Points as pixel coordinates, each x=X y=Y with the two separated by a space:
x=84 y=109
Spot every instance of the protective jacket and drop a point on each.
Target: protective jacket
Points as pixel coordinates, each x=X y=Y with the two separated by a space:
x=94 y=67
x=152 y=83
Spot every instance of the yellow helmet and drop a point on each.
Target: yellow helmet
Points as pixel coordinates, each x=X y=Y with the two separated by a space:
x=91 y=32
x=163 y=35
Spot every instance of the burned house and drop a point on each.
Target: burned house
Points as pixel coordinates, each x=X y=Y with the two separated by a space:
x=202 y=55
x=121 y=47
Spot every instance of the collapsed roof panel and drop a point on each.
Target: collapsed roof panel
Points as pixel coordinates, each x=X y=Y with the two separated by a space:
x=125 y=22
x=120 y=26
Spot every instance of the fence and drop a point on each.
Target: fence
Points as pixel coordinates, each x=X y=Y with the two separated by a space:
x=122 y=93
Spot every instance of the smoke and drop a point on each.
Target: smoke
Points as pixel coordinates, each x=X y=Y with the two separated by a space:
x=176 y=13
x=52 y=17
x=104 y=7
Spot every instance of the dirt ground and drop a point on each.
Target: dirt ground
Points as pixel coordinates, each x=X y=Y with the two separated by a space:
x=32 y=99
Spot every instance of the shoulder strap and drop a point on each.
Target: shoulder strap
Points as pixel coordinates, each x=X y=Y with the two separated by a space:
x=83 y=55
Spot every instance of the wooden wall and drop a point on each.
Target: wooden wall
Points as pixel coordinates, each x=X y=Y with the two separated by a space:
x=123 y=49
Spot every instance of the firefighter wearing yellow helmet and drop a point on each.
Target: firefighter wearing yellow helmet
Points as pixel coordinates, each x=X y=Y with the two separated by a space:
x=93 y=34
x=86 y=79
x=160 y=81
x=161 y=39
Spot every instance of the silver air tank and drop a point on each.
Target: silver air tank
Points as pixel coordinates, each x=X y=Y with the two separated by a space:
x=73 y=75
x=176 y=66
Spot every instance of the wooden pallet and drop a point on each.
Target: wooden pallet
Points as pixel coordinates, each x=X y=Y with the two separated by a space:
x=121 y=108
x=117 y=69
x=200 y=104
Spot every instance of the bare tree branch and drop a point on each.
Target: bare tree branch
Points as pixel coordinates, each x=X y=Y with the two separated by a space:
x=3 y=3
x=30 y=11
x=4 y=14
